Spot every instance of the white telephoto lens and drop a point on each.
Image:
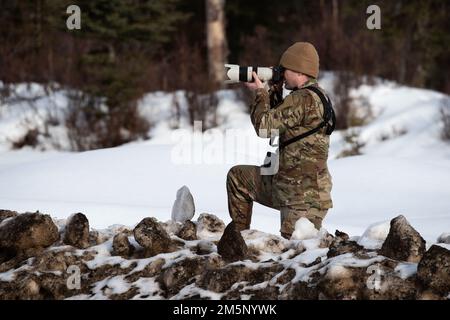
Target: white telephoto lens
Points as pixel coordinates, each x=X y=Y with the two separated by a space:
x=235 y=73
x=264 y=74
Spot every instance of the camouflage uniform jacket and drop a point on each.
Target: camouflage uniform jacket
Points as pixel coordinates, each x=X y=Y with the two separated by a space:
x=303 y=180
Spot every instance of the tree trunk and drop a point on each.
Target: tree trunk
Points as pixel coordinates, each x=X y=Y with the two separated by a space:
x=216 y=40
x=335 y=13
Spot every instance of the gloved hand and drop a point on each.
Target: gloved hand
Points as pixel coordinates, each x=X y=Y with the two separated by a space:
x=256 y=84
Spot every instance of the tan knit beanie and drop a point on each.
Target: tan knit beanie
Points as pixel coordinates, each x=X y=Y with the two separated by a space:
x=301 y=57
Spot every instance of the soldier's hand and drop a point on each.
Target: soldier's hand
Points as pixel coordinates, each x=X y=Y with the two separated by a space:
x=256 y=84
x=276 y=86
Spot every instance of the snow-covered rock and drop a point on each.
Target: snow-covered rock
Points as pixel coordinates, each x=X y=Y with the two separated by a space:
x=26 y=232
x=121 y=245
x=188 y=231
x=205 y=247
x=433 y=270
x=375 y=235
x=151 y=235
x=76 y=232
x=209 y=226
x=172 y=227
x=275 y=268
x=403 y=241
x=444 y=238
x=6 y=214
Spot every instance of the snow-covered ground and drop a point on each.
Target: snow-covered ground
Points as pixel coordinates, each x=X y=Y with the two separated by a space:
x=405 y=168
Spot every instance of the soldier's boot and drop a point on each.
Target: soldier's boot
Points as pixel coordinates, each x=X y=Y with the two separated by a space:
x=286 y=235
x=245 y=184
x=289 y=217
x=316 y=217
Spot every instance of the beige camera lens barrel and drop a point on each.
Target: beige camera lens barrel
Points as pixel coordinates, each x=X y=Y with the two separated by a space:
x=235 y=73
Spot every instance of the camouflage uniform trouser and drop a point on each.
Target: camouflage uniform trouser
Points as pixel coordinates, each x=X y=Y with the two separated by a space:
x=245 y=184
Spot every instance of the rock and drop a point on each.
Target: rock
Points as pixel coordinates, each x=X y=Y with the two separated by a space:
x=273 y=244
x=97 y=237
x=326 y=239
x=152 y=236
x=268 y=292
x=179 y=275
x=28 y=231
x=172 y=227
x=122 y=246
x=21 y=289
x=152 y=269
x=94 y=238
x=403 y=242
x=317 y=261
x=54 y=261
x=223 y=278
x=384 y=281
x=6 y=214
x=341 y=244
x=205 y=247
x=299 y=291
x=29 y=289
x=77 y=231
x=428 y=295
x=232 y=246
x=188 y=231
x=433 y=270
x=265 y=242
x=342 y=235
x=285 y=276
x=54 y=287
x=209 y=225
x=115 y=229
x=183 y=208
x=341 y=282
x=200 y=265
x=444 y=238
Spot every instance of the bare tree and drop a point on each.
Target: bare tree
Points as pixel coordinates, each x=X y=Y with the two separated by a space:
x=216 y=39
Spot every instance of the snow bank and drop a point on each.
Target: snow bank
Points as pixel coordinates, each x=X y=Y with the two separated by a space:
x=405 y=174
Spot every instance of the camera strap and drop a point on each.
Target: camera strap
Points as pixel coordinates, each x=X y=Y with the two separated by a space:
x=329 y=119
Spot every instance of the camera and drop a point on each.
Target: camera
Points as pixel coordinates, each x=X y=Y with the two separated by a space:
x=235 y=73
